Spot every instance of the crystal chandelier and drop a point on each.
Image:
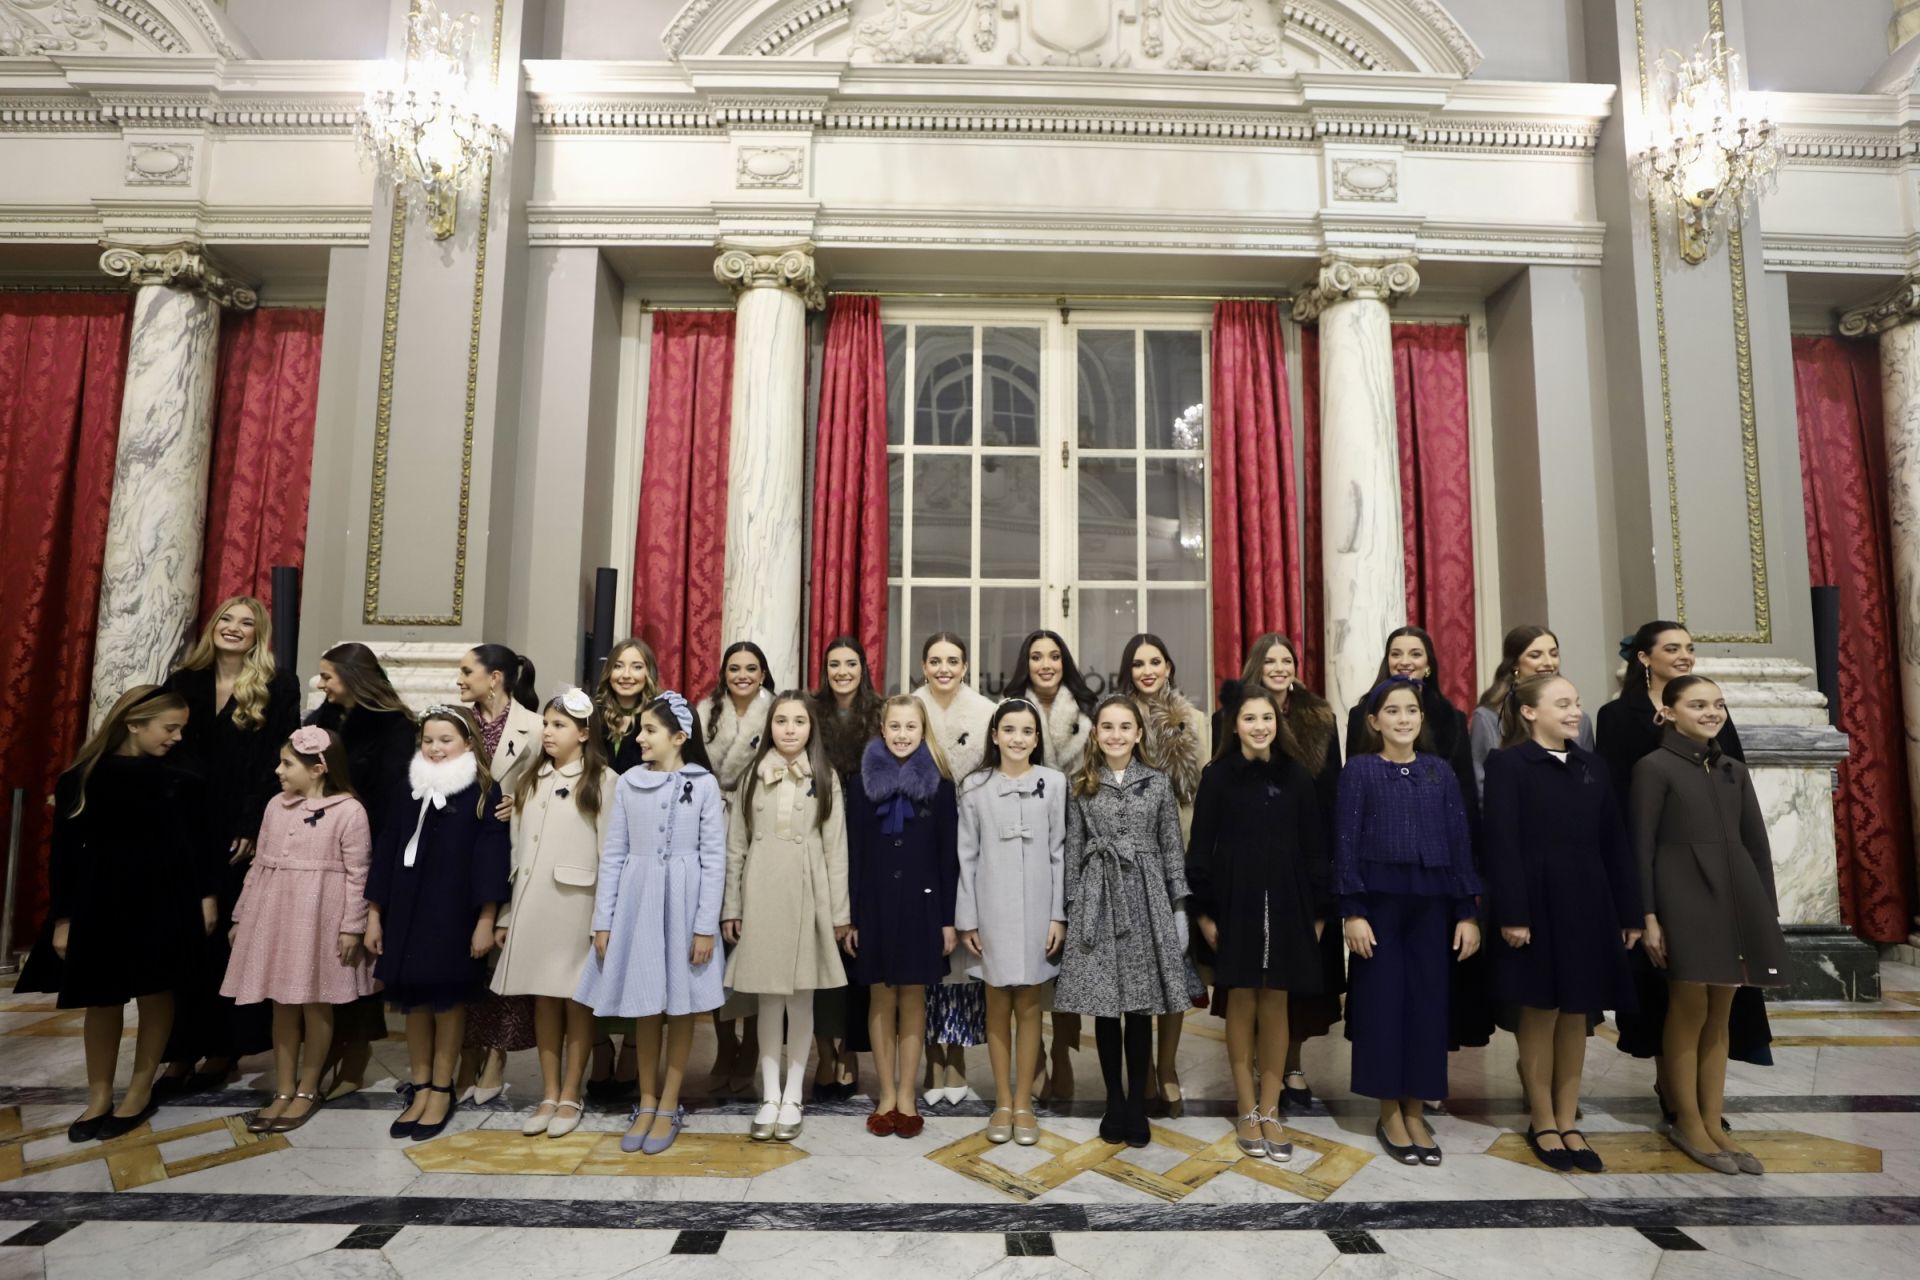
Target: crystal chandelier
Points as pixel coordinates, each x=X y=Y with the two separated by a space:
x=425 y=130
x=1719 y=151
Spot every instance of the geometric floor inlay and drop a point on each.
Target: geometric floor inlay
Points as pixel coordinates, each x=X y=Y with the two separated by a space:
x=133 y=1160
x=1642 y=1151
x=693 y=1155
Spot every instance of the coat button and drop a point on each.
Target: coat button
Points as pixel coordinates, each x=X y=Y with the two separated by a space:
x=898 y=843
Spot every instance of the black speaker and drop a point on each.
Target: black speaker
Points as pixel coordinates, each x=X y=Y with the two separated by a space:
x=1826 y=647
x=286 y=617
x=600 y=638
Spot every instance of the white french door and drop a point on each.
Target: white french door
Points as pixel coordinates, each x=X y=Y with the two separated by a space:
x=1047 y=472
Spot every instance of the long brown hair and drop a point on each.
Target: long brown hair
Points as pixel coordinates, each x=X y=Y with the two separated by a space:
x=1283 y=742
x=462 y=719
x=1086 y=779
x=141 y=703
x=359 y=669
x=253 y=685
x=1516 y=643
x=593 y=759
x=1308 y=718
x=338 y=777
x=823 y=774
x=611 y=712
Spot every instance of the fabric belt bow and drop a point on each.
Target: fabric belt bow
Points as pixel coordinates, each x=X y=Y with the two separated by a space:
x=1103 y=897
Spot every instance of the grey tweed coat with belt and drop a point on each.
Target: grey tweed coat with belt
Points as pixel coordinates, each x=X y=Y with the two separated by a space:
x=1125 y=877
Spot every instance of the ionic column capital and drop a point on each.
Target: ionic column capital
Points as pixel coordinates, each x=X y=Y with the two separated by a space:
x=183 y=265
x=1899 y=305
x=1351 y=279
x=749 y=265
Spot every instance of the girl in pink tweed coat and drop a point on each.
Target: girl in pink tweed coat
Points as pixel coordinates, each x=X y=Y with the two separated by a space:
x=302 y=913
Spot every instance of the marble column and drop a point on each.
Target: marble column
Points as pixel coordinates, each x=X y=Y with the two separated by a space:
x=1361 y=542
x=766 y=453
x=1894 y=317
x=150 y=582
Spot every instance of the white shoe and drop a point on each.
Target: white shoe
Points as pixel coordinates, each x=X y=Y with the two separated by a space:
x=563 y=1122
x=537 y=1124
x=481 y=1097
x=959 y=1093
x=934 y=1097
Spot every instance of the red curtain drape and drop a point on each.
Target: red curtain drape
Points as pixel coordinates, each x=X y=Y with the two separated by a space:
x=848 y=595
x=63 y=364
x=1843 y=478
x=1436 y=500
x=1256 y=554
x=680 y=552
x=1436 y=495
x=262 y=451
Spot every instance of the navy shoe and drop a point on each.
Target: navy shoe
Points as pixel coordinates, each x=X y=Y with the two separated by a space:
x=421 y=1130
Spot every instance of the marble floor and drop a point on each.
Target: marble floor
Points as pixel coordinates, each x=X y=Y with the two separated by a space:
x=1836 y=1119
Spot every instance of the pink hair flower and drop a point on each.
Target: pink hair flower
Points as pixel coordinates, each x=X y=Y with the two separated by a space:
x=310 y=740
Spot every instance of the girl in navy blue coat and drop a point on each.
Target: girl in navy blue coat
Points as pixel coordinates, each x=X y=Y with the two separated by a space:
x=434 y=887
x=903 y=871
x=1403 y=871
x=1564 y=891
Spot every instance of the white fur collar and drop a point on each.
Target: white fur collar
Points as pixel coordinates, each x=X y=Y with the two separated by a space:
x=736 y=737
x=434 y=782
x=1066 y=729
x=961 y=730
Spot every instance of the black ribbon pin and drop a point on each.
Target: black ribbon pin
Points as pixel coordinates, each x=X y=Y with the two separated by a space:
x=313 y=817
x=686 y=792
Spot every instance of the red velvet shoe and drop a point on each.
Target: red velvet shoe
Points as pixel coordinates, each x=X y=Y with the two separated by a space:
x=881 y=1123
x=908 y=1126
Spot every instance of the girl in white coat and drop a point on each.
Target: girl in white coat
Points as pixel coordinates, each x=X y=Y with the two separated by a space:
x=735 y=721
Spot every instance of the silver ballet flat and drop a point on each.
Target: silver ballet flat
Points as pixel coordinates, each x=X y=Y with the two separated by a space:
x=1281 y=1151
x=1255 y=1146
x=763 y=1126
x=787 y=1130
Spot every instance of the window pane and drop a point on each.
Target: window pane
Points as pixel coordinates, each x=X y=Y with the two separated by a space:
x=1180 y=618
x=896 y=512
x=1106 y=389
x=1010 y=362
x=934 y=609
x=942 y=517
x=1108 y=618
x=943 y=384
x=1176 y=525
x=1008 y=615
x=895 y=338
x=1009 y=516
x=1109 y=516
x=891 y=666
x=1175 y=414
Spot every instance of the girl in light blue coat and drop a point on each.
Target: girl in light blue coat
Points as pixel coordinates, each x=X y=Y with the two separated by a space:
x=656 y=911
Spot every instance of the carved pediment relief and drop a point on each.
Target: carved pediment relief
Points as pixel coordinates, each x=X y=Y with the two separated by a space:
x=35 y=28
x=1242 y=36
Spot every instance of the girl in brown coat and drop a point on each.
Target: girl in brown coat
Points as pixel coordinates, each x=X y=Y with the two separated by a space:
x=1706 y=882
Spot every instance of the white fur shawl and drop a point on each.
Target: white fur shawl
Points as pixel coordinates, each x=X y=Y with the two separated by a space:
x=1174 y=741
x=965 y=719
x=1066 y=729
x=736 y=737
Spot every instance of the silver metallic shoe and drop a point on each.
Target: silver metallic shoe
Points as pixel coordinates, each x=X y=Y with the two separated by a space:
x=763 y=1127
x=787 y=1130
x=1000 y=1133
x=1255 y=1146
x=1281 y=1151
x=1026 y=1134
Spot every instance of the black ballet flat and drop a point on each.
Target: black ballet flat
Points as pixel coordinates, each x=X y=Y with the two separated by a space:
x=1295 y=1099
x=87 y=1129
x=1113 y=1123
x=1585 y=1159
x=1137 y=1131
x=1559 y=1161
x=422 y=1131
x=402 y=1128
x=112 y=1126
x=1431 y=1156
x=1408 y=1154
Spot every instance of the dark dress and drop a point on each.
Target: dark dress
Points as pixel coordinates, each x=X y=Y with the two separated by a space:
x=428 y=910
x=1472 y=1006
x=841 y=1012
x=1558 y=863
x=1257 y=864
x=128 y=872
x=903 y=874
x=237 y=766
x=1624 y=731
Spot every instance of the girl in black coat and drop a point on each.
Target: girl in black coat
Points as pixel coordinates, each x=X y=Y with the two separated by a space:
x=134 y=875
x=434 y=888
x=903 y=875
x=1257 y=882
x=240 y=708
x=1563 y=889
x=1627 y=729
x=1471 y=1009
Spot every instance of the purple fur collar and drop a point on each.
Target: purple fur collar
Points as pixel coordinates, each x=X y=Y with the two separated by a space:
x=917 y=777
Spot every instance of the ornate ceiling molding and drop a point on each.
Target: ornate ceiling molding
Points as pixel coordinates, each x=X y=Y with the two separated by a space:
x=37 y=28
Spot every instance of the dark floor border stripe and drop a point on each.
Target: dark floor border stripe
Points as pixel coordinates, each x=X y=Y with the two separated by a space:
x=1638 y=1104
x=695 y=1216
x=370 y=1236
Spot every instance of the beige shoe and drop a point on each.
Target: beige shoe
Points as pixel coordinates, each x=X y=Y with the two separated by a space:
x=562 y=1123
x=1000 y=1133
x=1026 y=1134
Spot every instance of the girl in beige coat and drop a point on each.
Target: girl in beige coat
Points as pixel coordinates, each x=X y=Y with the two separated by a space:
x=560 y=808
x=786 y=907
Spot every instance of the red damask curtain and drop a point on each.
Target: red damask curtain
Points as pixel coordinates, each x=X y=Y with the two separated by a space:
x=63 y=364
x=1436 y=495
x=1843 y=479
x=848 y=595
x=262 y=451
x=680 y=552
x=1256 y=555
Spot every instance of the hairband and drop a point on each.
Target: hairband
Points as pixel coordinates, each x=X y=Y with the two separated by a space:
x=1379 y=692
x=442 y=711
x=310 y=740
x=682 y=714
x=1021 y=702
x=575 y=702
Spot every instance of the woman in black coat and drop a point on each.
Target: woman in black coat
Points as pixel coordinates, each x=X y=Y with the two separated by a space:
x=232 y=743
x=1257 y=891
x=1471 y=1009
x=1626 y=730
x=1563 y=888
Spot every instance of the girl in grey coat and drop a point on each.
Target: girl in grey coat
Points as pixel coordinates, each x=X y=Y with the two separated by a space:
x=1125 y=879
x=1010 y=910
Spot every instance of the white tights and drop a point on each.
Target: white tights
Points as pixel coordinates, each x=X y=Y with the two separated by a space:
x=789 y=1018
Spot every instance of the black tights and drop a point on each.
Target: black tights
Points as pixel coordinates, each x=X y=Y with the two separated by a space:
x=1139 y=1052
